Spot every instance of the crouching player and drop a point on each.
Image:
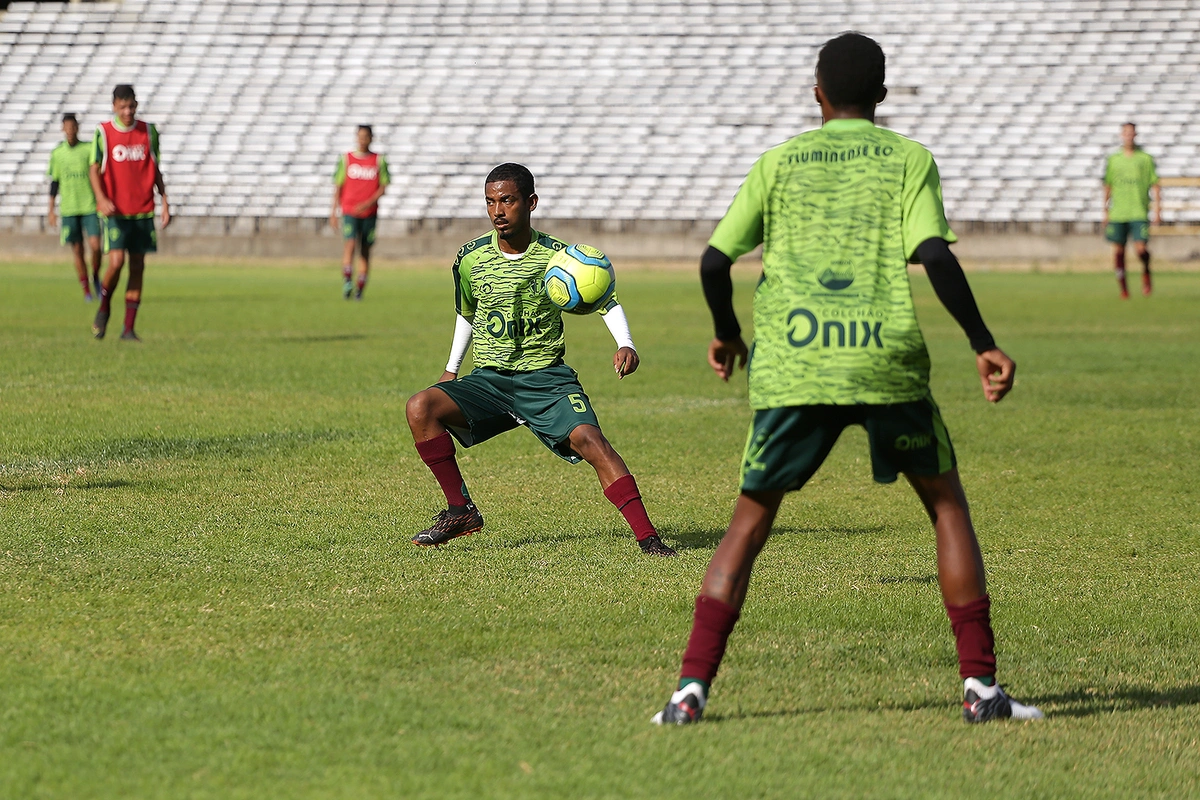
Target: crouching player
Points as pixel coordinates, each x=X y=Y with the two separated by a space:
x=519 y=376
x=840 y=211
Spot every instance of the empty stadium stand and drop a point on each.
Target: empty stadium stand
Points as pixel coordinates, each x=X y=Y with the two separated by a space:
x=624 y=109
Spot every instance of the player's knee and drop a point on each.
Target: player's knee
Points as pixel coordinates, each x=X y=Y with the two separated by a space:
x=589 y=442
x=419 y=407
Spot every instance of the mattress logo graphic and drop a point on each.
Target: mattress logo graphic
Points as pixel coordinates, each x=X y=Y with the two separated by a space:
x=803 y=330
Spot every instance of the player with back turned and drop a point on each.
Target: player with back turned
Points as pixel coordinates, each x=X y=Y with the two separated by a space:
x=520 y=377
x=70 y=182
x=125 y=174
x=840 y=212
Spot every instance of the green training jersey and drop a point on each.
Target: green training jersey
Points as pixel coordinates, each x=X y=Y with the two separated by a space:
x=70 y=167
x=514 y=324
x=1130 y=177
x=839 y=212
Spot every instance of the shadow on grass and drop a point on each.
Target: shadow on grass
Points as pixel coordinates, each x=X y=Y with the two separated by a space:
x=331 y=337
x=908 y=579
x=921 y=705
x=65 y=486
x=1088 y=701
x=700 y=539
x=140 y=448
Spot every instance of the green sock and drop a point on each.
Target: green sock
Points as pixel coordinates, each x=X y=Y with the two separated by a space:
x=987 y=680
x=687 y=681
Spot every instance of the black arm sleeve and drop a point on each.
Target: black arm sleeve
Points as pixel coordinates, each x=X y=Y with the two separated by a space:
x=950 y=284
x=718 y=292
x=54 y=188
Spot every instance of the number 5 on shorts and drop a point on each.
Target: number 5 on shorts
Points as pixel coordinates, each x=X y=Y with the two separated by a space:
x=577 y=403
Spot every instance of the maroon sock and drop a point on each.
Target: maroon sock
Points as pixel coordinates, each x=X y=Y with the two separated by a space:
x=1145 y=257
x=1119 y=258
x=130 y=314
x=87 y=287
x=362 y=282
x=711 y=626
x=105 y=298
x=347 y=272
x=438 y=455
x=623 y=493
x=973 y=637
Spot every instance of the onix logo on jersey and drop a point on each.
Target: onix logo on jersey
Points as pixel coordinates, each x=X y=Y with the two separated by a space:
x=914 y=442
x=499 y=327
x=803 y=327
x=360 y=173
x=135 y=152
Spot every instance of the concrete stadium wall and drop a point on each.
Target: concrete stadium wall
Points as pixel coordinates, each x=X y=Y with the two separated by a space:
x=438 y=240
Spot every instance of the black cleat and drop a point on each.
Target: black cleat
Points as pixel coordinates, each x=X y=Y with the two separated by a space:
x=100 y=324
x=654 y=546
x=449 y=525
x=685 y=707
x=130 y=336
x=982 y=703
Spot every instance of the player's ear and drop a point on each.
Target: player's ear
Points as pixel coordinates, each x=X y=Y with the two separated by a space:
x=818 y=95
x=532 y=202
x=882 y=94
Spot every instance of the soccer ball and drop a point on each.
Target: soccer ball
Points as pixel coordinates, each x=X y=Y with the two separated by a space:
x=580 y=279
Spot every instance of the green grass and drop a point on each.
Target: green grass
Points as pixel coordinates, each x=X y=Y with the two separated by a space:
x=207 y=589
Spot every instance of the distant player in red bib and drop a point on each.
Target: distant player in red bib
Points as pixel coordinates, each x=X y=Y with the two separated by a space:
x=125 y=173
x=359 y=181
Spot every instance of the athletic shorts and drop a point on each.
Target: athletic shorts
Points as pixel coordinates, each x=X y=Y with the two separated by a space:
x=1119 y=232
x=786 y=446
x=74 y=229
x=360 y=229
x=550 y=402
x=132 y=234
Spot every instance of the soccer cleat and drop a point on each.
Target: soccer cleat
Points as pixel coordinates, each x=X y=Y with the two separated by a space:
x=685 y=706
x=448 y=525
x=87 y=297
x=1124 y=294
x=982 y=703
x=654 y=546
x=130 y=336
x=347 y=289
x=1146 y=284
x=358 y=295
x=100 y=324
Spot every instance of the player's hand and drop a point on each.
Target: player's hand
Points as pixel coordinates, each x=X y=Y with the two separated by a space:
x=361 y=208
x=724 y=356
x=1158 y=217
x=625 y=362
x=333 y=223
x=1104 y=219
x=996 y=371
x=166 y=215
x=52 y=219
x=105 y=206
x=448 y=376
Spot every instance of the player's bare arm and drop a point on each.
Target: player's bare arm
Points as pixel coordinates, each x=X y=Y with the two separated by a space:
x=334 y=222
x=1157 y=190
x=727 y=351
x=103 y=204
x=161 y=186
x=1107 y=200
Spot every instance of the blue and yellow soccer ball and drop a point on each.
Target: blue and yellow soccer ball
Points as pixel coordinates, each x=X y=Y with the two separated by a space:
x=580 y=279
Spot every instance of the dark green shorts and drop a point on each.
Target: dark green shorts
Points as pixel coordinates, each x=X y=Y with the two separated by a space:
x=74 y=229
x=787 y=445
x=360 y=229
x=1119 y=232
x=550 y=402
x=131 y=234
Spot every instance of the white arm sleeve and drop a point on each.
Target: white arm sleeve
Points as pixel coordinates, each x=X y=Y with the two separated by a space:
x=462 y=340
x=618 y=326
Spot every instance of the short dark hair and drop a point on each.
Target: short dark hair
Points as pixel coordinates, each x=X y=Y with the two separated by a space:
x=850 y=70
x=123 y=91
x=517 y=173
x=1128 y=125
x=366 y=128
x=69 y=117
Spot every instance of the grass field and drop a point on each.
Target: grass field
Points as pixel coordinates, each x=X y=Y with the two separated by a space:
x=207 y=588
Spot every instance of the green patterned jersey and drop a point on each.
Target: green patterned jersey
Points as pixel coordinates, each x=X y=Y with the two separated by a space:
x=514 y=324
x=839 y=212
x=1130 y=178
x=69 y=166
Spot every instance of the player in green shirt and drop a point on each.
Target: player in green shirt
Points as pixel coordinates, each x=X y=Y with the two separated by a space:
x=1129 y=177
x=520 y=378
x=68 y=171
x=840 y=212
